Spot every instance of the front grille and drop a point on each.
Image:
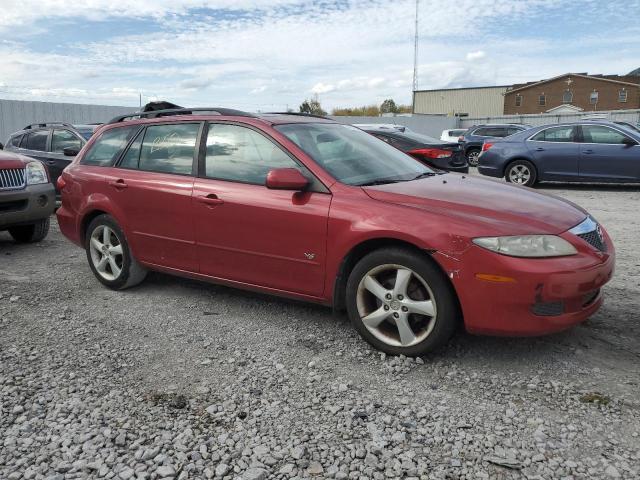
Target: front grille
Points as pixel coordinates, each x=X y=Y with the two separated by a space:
x=548 y=309
x=12 y=178
x=594 y=239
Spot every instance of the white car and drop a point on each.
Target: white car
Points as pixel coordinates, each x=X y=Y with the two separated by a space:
x=452 y=135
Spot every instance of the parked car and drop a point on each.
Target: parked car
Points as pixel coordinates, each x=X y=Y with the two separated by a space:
x=53 y=143
x=452 y=135
x=311 y=209
x=27 y=197
x=474 y=137
x=434 y=153
x=573 y=152
x=382 y=126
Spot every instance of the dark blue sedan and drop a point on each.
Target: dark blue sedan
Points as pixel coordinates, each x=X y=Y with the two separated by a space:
x=571 y=152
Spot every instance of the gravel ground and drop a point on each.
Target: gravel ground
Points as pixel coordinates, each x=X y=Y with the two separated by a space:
x=180 y=379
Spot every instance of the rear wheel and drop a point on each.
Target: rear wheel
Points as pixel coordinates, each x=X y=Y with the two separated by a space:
x=31 y=233
x=109 y=255
x=401 y=303
x=473 y=157
x=521 y=172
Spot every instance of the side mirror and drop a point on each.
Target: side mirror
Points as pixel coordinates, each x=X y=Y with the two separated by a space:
x=71 y=151
x=286 y=179
x=629 y=142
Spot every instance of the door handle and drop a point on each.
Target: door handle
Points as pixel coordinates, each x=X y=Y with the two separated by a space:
x=118 y=184
x=539 y=149
x=588 y=152
x=51 y=162
x=211 y=200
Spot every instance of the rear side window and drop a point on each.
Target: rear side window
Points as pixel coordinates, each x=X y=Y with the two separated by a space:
x=240 y=154
x=169 y=148
x=62 y=139
x=105 y=150
x=37 y=140
x=555 y=134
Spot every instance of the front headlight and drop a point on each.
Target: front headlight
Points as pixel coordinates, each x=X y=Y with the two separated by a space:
x=36 y=173
x=536 y=246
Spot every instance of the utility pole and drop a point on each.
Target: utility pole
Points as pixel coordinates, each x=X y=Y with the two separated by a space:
x=415 y=52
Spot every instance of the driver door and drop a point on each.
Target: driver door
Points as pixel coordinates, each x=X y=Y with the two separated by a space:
x=248 y=233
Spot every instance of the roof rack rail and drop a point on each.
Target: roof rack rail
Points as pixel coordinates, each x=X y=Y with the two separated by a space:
x=46 y=124
x=180 y=111
x=302 y=114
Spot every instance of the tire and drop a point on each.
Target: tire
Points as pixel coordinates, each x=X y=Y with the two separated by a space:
x=521 y=172
x=427 y=289
x=110 y=257
x=472 y=157
x=31 y=233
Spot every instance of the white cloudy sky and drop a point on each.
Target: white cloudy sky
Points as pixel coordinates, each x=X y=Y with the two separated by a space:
x=270 y=54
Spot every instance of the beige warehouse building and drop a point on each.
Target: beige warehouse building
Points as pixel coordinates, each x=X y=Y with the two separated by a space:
x=463 y=102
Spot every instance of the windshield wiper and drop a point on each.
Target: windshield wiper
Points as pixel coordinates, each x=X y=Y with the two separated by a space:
x=378 y=182
x=425 y=174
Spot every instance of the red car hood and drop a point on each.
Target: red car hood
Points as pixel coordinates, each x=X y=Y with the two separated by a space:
x=490 y=207
x=10 y=160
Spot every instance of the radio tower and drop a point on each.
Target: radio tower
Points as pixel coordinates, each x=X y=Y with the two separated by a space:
x=415 y=52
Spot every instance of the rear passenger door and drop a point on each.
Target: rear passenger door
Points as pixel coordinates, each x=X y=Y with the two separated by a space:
x=152 y=185
x=556 y=152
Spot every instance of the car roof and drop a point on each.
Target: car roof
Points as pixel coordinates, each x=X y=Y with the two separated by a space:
x=501 y=125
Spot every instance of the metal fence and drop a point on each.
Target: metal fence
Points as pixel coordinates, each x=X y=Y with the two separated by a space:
x=431 y=125
x=632 y=116
x=16 y=114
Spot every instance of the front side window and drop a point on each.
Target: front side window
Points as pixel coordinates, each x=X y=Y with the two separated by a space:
x=37 y=140
x=169 y=148
x=602 y=134
x=555 y=134
x=105 y=150
x=62 y=139
x=567 y=96
x=240 y=154
x=622 y=96
x=15 y=141
x=352 y=156
x=593 y=98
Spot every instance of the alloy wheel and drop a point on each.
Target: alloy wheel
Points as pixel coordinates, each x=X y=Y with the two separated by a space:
x=106 y=252
x=519 y=174
x=396 y=305
x=473 y=158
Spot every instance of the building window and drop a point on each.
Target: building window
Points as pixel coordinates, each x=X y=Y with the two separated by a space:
x=542 y=100
x=593 y=98
x=567 y=96
x=622 y=96
x=518 y=100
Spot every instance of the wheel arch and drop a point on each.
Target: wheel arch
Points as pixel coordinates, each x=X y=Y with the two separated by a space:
x=358 y=251
x=87 y=219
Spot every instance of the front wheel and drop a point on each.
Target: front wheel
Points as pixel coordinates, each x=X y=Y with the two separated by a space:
x=31 y=233
x=109 y=255
x=521 y=172
x=401 y=303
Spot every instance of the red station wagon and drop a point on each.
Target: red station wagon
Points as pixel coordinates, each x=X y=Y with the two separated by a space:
x=308 y=208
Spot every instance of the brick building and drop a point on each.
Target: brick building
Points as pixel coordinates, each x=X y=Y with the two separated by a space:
x=574 y=92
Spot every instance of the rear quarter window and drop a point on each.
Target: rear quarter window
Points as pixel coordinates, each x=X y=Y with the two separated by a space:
x=107 y=148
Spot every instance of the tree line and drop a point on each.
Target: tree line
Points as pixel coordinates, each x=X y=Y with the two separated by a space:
x=312 y=106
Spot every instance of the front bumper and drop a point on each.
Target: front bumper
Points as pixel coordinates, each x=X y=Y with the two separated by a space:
x=546 y=295
x=27 y=205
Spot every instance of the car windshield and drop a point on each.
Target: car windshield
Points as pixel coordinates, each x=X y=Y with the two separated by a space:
x=86 y=133
x=418 y=137
x=352 y=156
